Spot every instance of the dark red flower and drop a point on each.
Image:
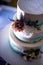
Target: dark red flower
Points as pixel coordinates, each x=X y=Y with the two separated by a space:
x=18 y=25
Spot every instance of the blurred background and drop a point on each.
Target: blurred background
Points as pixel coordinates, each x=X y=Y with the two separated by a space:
x=9 y=2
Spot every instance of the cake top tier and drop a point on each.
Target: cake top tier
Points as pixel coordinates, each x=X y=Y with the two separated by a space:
x=31 y=6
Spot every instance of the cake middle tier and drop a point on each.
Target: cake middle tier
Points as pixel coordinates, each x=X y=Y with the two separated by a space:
x=28 y=34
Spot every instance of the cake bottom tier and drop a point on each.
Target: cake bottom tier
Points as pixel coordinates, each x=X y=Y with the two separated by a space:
x=28 y=50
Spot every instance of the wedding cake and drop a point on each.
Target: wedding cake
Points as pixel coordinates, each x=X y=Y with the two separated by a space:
x=26 y=32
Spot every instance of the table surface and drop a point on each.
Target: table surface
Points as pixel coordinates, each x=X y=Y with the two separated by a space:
x=5 y=50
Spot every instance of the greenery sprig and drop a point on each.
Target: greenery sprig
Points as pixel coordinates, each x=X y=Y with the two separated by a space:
x=30 y=23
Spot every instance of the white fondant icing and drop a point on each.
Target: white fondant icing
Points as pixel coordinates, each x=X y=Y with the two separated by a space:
x=31 y=6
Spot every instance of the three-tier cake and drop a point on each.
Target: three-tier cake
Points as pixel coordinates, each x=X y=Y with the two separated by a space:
x=26 y=32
